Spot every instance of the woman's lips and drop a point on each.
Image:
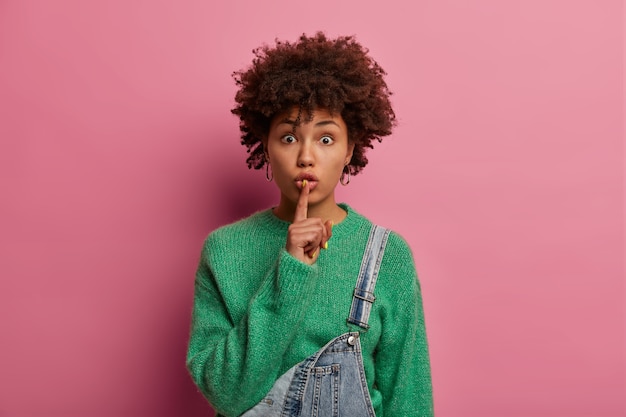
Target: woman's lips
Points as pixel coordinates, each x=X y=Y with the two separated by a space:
x=311 y=183
x=309 y=177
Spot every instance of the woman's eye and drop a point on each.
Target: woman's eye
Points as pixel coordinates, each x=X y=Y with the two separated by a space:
x=288 y=139
x=327 y=140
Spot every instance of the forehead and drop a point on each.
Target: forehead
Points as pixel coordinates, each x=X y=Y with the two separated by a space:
x=296 y=116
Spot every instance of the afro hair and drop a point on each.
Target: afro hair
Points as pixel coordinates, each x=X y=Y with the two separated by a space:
x=314 y=72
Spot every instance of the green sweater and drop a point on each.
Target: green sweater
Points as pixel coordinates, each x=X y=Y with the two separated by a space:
x=258 y=311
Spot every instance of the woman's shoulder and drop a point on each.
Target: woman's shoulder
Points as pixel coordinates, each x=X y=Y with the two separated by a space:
x=261 y=222
x=398 y=246
x=397 y=270
x=395 y=241
x=397 y=274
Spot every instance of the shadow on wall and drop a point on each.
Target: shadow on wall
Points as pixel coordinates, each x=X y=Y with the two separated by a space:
x=246 y=193
x=237 y=193
x=183 y=397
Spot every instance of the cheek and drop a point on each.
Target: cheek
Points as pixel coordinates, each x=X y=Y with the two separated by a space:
x=282 y=175
x=340 y=161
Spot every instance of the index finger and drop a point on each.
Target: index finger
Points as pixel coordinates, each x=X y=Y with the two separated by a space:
x=303 y=203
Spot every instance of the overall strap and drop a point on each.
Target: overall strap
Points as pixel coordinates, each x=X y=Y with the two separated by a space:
x=364 y=291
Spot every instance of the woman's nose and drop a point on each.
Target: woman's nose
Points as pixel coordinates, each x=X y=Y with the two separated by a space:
x=305 y=156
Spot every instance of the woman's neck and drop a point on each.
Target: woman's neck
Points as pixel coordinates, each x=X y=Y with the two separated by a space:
x=328 y=211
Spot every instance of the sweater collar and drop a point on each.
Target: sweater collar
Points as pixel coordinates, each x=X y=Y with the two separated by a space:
x=347 y=225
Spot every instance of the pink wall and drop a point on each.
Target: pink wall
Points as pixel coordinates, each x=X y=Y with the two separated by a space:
x=118 y=155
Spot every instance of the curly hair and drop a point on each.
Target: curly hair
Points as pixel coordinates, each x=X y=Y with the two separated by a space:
x=314 y=72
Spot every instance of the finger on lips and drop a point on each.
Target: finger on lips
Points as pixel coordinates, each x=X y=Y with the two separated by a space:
x=303 y=203
x=320 y=232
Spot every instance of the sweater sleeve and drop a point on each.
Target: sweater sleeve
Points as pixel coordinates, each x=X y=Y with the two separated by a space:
x=236 y=364
x=402 y=362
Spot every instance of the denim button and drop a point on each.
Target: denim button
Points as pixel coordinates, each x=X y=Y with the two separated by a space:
x=351 y=340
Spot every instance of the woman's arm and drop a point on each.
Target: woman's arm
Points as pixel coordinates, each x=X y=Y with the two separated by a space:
x=236 y=364
x=402 y=362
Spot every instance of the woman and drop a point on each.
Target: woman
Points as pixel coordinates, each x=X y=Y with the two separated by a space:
x=308 y=309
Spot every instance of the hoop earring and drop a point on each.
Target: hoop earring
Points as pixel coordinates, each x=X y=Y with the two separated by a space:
x=269 y=175
x=343 y=179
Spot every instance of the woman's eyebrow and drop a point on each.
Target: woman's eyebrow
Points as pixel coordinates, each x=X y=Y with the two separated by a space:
x=326 y=122
x=320 y=123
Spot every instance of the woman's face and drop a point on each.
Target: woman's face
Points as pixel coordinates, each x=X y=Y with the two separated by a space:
x=315 y=150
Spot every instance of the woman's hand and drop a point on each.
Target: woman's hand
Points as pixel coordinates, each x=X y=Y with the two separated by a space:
x=307 y=236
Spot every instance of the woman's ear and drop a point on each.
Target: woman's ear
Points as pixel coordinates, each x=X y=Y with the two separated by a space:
x=265 y=149
x=350 y=152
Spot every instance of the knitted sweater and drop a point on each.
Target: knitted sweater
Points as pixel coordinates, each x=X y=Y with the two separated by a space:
x=258 y=311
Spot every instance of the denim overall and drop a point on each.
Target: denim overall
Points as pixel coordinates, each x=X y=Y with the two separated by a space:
x=331 y=382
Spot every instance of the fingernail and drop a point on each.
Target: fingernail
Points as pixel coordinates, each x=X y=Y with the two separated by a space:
x=303 y=183
x=326 y=245
x=313 y=254
x=332 y=224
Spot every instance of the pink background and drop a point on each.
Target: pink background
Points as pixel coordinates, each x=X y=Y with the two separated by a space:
x=118 y=155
